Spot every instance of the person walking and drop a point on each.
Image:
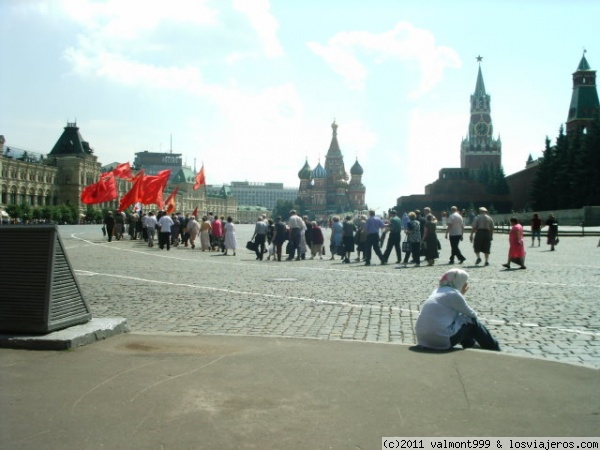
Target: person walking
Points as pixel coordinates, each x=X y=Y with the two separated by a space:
x=295 y=224
x=454 y=231
x=552 y=225
x=109 y=221
x=395 y=232
x=373 y=225
x=317 y=241
x=279 y=237
x=229 y=237
x=430 y=240
x=348 y=238
x=413 y=237
x=164 y=236
x=516 y=250
x=260 y=237
x=150 y=224
x=192 y=229
x=335 y=240
x=483 y=229
x=536 y=229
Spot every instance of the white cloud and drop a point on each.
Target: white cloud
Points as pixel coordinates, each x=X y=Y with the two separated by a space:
x=406 y=43
x=433 y=143
x=127 y=19
x=264 y=23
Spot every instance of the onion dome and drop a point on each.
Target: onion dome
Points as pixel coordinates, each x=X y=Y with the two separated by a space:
x=305 y=172
x=319 y=172
x=356 y=169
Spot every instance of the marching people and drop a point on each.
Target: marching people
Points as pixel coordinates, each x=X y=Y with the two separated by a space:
x=205 y=232
x=317 y=241
x=295 y=224
x=270 y=234
x=192 y=228
x=360 y=237
x=165 y=223
x=413 y=236
x=150 y=224
x=483 y=229
x=279 y=237
x=395 y=231
x=372 y=227
x=552 y=225
x=446 y=319
x=516 y=251
x=348 y=230
x=229 y=238
x=109 y=222
x=260 y=237
x=217 y=234
x=455 y=228
x=430 y=240
x=536 y=229
x=335 y=240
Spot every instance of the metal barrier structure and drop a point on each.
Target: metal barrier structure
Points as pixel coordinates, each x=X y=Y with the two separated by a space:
x=38 y=289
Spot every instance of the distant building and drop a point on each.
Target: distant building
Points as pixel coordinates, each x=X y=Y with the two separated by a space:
x=479 y=149
x=262 y=194
x=584 y=106
x=60 y=177
x=583 y=109
x=328 y=190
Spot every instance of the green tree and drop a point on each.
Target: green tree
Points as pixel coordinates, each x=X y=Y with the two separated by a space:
x=13 y=211
x=25 y=212
x=283 y=208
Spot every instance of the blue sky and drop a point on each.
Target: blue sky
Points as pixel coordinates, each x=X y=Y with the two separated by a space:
x=251 y=87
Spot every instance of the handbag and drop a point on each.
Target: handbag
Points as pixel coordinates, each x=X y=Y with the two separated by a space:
x=251 y=245
x=104 y=230
x=340 y=250
x=406 y=246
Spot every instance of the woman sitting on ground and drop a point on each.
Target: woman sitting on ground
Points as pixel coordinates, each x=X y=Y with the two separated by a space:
x=446 y=319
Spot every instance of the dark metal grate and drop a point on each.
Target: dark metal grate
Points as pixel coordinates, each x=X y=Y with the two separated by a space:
x=38 y=289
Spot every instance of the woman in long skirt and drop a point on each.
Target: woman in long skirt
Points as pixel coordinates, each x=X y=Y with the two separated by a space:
x=192 y=228
x=229 y=238
x=205 y=231
x=516 y=251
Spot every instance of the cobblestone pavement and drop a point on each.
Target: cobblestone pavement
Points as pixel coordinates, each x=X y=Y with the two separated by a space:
x=550 y=310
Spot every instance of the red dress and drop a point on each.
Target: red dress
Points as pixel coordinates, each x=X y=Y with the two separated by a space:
x=515 y=239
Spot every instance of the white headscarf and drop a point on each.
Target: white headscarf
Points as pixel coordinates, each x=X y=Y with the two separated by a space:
x=455 y=278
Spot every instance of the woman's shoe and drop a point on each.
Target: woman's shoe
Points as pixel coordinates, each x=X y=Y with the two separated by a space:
x=506 y=265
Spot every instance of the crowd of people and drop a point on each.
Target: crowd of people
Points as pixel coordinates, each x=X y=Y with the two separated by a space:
x=171 y=230
x=414 y=233
x=445 y=318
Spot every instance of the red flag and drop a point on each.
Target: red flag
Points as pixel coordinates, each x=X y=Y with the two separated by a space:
x=134 y=194
x=122 y=171
x=195 y=213
x=153 y=187
x=200 y=178
x=104 y=190
x=137 y=176
x=170 y=201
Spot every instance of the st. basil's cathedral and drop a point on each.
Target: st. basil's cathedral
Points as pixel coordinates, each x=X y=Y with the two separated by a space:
x=328 y=190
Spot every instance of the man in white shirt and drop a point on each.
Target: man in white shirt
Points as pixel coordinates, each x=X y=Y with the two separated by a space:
x=149 y=223
x=164 y=237
x=455 y=229
x=296 y=225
